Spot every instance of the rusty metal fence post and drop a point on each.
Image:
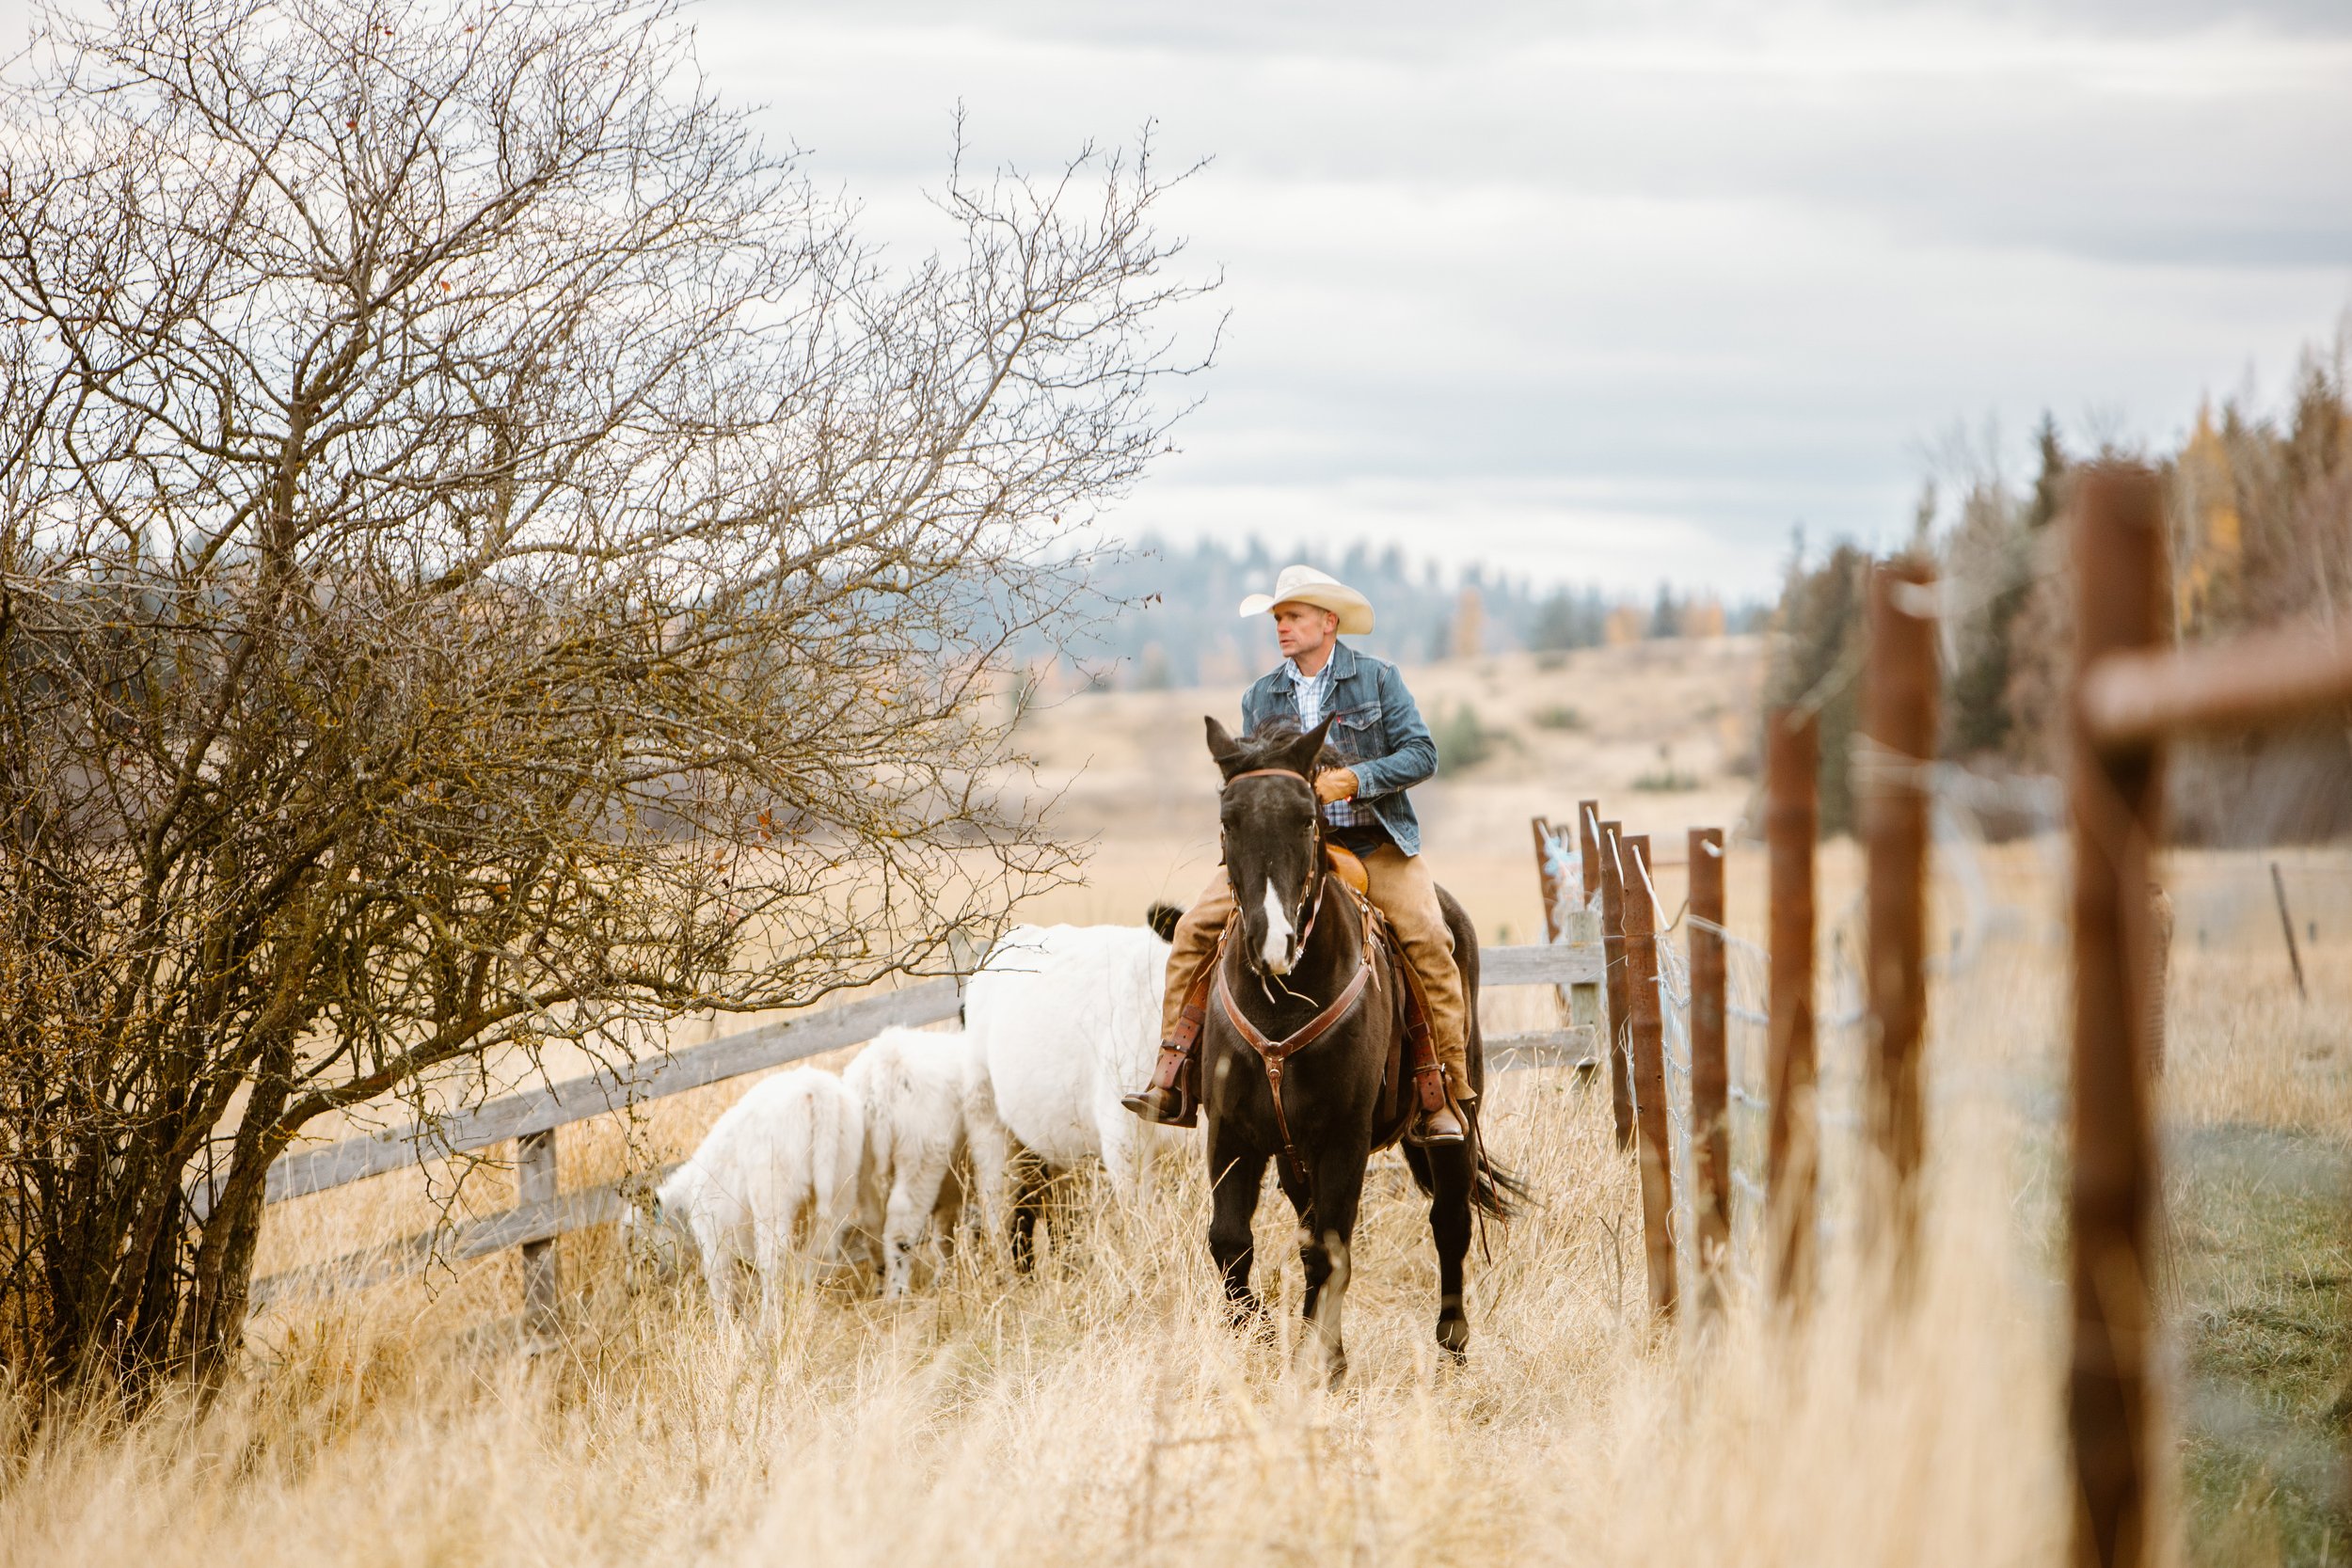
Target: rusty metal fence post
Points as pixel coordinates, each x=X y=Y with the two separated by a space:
x=1899 y=718
x=1649 y=1071
x=2122 y=592
x=1710 y=1132
x=1613 y=960
x=1792 y=1146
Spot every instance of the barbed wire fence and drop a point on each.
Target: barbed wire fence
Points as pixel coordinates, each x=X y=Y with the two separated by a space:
x=1961 y=801
x=1846 y=1009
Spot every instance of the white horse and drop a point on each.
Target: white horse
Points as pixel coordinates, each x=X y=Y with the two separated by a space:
x=910 y=1089
x=781 y=1165
x=1063 y=1019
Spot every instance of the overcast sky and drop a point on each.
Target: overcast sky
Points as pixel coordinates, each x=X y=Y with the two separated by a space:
x=1616 y=300
x=1621 y=300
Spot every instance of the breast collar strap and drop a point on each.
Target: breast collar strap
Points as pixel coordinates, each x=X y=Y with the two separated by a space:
x=1274 y=1054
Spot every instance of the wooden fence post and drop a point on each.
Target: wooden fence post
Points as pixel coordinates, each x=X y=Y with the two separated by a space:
x=535 y=1183
x=2123 y=598
x=1649 y=1072
x=1588 y=845
x=1792 y=1149
x=1583 y=928
x=2286 y=924
x=1613 y=976
x=1899 y=717
x=1710 y=1134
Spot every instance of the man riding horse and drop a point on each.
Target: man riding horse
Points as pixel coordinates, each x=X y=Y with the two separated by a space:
x=1376 y=749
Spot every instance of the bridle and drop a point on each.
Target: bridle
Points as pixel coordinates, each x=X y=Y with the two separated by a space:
x=1310 y=897
x=1273 y=1053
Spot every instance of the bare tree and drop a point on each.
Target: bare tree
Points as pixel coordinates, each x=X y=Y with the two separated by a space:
x=488 y=559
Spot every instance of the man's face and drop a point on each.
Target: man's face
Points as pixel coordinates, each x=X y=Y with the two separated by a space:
x=1302 y=628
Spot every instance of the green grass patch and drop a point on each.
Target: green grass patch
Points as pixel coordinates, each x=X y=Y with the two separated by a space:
x=2259 y=1232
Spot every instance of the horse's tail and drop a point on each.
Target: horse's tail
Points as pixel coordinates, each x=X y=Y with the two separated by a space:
x=1499 y=1191
x=1162 y=918
x=1496 y=1190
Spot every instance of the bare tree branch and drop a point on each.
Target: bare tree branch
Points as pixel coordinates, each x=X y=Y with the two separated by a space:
x=489 y=558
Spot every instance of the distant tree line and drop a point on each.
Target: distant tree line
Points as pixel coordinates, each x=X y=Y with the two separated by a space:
x=2261 y=521
x=1172 y=620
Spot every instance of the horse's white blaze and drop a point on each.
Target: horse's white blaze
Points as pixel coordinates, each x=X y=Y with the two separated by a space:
x=1278 y=934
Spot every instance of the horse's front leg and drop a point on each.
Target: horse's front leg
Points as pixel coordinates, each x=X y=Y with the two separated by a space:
x=1236 y=1173
x=1326 y=1237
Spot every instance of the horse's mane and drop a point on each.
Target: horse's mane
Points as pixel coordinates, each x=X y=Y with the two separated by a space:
x=1266 y=744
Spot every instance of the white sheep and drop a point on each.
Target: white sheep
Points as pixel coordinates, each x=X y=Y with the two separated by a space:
x=782 y=1163
x=1063 y=1019
x=910 y=1089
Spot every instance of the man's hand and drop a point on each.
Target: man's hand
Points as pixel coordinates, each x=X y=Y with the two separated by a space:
x=1335 y=783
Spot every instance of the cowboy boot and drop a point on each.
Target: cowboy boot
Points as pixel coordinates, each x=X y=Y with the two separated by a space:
x=1172 y=1099
x=1437 y=1121
x=1443 y=1125
x=1163 y=1100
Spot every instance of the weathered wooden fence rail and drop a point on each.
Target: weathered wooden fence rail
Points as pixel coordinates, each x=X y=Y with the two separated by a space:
x=531 y=1117
x=595 y=1094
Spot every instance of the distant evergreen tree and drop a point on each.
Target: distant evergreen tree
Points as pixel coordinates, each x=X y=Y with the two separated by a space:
x=1988 y=563
x=1817 y=662
x=2036 y=630
x=2045 y=503
x=1567 y=619
x=1665 y=619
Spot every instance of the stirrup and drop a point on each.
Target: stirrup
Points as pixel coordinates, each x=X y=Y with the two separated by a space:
x=1429 y=1129
x=1164 y=1106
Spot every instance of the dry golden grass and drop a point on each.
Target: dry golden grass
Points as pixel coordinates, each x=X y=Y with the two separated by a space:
x=1101 y=1410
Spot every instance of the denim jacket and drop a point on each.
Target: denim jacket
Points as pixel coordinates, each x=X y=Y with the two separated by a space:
x=1377 y=733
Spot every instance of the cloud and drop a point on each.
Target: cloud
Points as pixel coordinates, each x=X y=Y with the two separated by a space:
x=1627 y=294
x=1601 y=290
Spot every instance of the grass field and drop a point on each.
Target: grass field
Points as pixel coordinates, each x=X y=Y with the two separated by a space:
x=1099 y=1409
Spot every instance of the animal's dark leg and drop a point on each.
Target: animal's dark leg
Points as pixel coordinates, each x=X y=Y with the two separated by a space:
x=1030 y=1181
x=1235 y=1174
x=1315 y=1258
x=1326 y=1251
x=1451 y=1176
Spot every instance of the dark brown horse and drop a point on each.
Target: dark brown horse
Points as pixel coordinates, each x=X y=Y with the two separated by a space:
x=1299 y=986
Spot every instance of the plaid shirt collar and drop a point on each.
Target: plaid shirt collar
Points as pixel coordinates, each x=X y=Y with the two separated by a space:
x=1311 y=691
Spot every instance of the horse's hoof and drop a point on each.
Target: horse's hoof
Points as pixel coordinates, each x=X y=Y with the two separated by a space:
x=1454 y=1339
x=1244 y=1312
x=1337 y=1372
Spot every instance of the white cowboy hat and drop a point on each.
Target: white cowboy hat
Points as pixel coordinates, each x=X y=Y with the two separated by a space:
x=1305 y=585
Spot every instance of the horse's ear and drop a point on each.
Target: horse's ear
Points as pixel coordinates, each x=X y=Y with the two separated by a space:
x=1309 y=746
x=1221 y=744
